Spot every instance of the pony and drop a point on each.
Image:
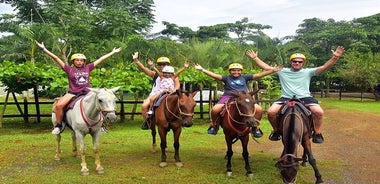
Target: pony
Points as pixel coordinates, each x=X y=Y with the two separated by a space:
x=296 y=125
x=84 y=116
x=236 y=120
x=175 y=110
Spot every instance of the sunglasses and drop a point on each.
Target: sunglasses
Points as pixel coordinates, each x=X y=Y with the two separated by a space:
x=297 y=62
x=163 y=64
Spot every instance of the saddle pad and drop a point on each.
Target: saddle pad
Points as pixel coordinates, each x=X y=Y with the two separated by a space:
x=159 y=99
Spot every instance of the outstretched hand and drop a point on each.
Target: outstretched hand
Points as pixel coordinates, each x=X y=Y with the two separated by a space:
x=186 y=64
x=339 y=51
x=40 y=45
x=252 y=54
x=150 y=62
x=135 y=55
x=115 y=50
x=198 y=67
x=277 y=68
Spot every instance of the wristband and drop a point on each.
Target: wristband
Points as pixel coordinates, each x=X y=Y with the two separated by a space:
x=43 y=49
x=203 y=70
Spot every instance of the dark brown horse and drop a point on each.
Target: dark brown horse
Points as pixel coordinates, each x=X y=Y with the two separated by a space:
x=296 y=125
x=174 y=111
x=237 y=119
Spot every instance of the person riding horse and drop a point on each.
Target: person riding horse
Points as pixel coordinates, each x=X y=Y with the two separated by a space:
x=296 y=81
x=78 y=75
x=235 y=82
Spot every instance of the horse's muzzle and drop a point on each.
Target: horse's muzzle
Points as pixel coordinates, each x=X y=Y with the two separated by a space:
x=187 y=123
x=110 y=116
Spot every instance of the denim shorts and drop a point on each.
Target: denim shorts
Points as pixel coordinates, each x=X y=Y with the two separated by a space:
x=306 y=100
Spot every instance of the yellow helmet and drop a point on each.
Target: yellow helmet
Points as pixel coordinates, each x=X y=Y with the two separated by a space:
x=163 y=60
x=78 y=56
x=297 y=55
x=235 y=66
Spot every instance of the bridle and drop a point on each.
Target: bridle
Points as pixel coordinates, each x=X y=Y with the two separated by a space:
x=181 y=113
x=239 y=111
x=90 y=122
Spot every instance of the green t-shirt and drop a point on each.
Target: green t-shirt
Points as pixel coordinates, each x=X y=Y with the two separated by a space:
x=296 y=83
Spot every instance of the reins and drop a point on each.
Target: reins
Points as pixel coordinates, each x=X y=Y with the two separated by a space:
x=230 y=118
x=179 y=109
x=90 y=122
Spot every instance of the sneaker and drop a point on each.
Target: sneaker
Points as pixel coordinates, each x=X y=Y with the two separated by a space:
x=150 y=112
x=258 y=133
x=274 y=136
x=318 y=138
x=145 y=125
x=211 y=130
x=103 y=130
x=57 y=129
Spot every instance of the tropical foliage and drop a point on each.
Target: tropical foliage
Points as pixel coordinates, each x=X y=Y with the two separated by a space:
x=95 y=27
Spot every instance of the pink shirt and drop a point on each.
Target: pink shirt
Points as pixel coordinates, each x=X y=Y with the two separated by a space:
x=79 y=78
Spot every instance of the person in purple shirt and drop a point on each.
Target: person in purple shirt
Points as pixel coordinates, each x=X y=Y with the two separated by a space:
x=234 y=82
x=78 y=75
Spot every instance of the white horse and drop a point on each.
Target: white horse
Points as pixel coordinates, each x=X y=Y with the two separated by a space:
x=86 y=117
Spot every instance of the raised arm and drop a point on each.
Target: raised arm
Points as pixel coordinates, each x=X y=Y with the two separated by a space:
x=147 y=71
x=267 y=72
x=151 y=64
x=339 y=51
x=185 y=66
x=211 y=74
x=254 y=56
x=50 y=54
x=101 y=59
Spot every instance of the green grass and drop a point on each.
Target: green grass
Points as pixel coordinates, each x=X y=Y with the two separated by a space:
x=351 y=104
x=27 y=152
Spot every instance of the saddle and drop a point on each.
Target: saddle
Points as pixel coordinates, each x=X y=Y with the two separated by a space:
x=297 y=102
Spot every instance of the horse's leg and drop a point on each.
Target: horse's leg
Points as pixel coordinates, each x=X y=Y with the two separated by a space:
x=304 y=158
x=95 y=143
x=245 y=154
x=82 y=150
x=177 y=134
x=74 y=144
x=307 y=148
x=163 y=146
x=229 y=155
x=58 y=148
x=153 y=133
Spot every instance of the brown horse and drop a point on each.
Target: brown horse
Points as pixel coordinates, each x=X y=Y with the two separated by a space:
x=237 y=119
x=296 y=124
x=174 y=111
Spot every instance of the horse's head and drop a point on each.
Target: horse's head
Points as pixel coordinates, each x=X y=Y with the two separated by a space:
x=106 y=102
x=288 y=166
x=245 y=106
x=186 y=105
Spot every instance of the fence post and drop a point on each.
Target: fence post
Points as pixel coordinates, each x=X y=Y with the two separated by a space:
x=26 y=113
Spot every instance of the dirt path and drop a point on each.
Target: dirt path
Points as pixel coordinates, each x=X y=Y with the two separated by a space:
x=352 y=138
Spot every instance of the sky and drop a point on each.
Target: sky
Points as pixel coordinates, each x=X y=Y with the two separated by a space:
x=283 y=15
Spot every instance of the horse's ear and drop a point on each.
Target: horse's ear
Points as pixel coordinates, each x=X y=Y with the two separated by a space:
x=194 y=93
x=115 y=89
x=254 y=92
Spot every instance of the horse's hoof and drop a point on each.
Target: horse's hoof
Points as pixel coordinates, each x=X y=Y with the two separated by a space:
x=250 y=175
x=229 y=173
x=163 y=164
x=84 y=173
x=100 y=171
x=179 y=164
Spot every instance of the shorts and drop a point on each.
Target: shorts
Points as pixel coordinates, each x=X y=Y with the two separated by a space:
x=306 y=100
x=224 y=99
